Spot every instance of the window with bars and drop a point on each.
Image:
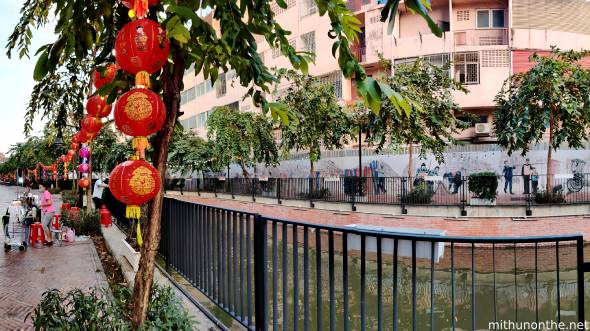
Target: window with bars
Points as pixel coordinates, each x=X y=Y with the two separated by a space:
x=335 y=79
x=221 y=86
x=467 y=67
x=308 y=40
x=278 y=10
x=462 y=15
x=307 y=8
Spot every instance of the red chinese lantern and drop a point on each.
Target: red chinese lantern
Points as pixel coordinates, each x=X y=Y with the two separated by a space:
x=76 y=138
x=97 y=106
x=134 y=183
x=85 y=136
x=91 y=124
x=138 y=8
x=84 y=183
x=84 y=168
x=63 y=158
x=74 y=146
x=140 y=112
x=142 y=46
x=71 y=154
x=106 y=77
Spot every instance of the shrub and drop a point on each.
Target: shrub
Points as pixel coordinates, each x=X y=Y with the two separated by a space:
x=101 y=310
x=549 y=197
x=316 y=195
x=87 y=224
x=484 y=185
x=54 y=190
x=419 y=195
x=69 y=196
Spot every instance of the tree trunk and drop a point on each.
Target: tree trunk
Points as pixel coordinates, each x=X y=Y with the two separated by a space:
x=244 y=170
x=549 y=156
x=171 y=85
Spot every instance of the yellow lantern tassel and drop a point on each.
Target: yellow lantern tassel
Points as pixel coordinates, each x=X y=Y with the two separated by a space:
x=140 y=144
x=142 y=78
x=133 y=212
x=139 y=238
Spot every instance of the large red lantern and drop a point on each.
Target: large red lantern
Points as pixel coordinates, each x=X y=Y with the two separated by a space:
x=91 y=124
x=142 y=46
x=140 y=112
x=97 y=106
x=134 y=183
x=85 y=136
x=138 y=8
x=107 y=76
x=74 y=146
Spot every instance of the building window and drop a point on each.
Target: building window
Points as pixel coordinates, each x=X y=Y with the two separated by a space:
x=188 y=95
x=278 y=10
x=307 y=8
x=335 y=79
x=462 y=15
x=490 y=18
x=220 y=86
x=308 y=40
x=467 y=67
x=276 y=52
x=445 y=26
x=189 y=123
x=202 y=120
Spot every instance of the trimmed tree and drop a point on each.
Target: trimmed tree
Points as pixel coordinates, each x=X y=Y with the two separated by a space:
x=318 y=121
x=245 y=138
x=86 y=30
x=550 y=98
x=189 y=153
x=425 y=97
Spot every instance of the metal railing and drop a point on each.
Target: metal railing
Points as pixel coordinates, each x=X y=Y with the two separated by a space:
x=269 y=273
x=481 y=37
x=526 y=191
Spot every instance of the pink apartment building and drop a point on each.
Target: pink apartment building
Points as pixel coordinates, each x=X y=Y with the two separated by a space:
x=486 y=41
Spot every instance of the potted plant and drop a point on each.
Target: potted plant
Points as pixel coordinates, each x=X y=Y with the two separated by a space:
x=484 y=186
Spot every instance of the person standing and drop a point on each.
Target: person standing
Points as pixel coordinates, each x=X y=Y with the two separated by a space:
x=508 y=173
x=381 y=179
x=526 y=176
x=47 y=213
x=99 y=187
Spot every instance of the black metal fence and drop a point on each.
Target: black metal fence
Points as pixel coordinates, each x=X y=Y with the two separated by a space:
x=524 y=191
x=281 y=274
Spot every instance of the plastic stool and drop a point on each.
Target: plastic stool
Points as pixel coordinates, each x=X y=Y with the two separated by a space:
x=36 y=234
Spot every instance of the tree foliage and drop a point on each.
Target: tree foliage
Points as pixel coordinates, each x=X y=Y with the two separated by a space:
x=108 y=151
x=318 y=120
x=28 y=154
x=427 y=116
x=241 y=137
x=554 y=90
x=190 y=153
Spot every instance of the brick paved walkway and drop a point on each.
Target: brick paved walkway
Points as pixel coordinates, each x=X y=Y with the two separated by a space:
x=25 y=276
x=485 y=227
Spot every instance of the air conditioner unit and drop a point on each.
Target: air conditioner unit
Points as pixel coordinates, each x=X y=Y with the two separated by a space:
x=482 y=129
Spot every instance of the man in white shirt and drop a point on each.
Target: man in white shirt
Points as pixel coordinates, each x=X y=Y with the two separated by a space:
x=99 y=186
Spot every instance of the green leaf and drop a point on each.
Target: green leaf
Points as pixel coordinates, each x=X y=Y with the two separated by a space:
x=282 y=4
x=41 y=68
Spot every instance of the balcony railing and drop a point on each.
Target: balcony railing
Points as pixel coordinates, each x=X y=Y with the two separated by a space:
x=481 y=37
x=360 y=54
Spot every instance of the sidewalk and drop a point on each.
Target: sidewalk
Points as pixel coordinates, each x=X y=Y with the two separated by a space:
x=482 y=227
x=25 y=276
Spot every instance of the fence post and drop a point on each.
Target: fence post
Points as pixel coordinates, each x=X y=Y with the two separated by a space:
x=279 y=190
x=353 y=193
x=231 y=188
x=402 y=199
x=260 y=265
x=198 y=186
x=215 y=186
x=529 y=199
x=310 y=191
x=463 y=196
x=253 y=190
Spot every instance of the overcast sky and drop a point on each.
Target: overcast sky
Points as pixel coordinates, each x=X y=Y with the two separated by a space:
x=16 y=76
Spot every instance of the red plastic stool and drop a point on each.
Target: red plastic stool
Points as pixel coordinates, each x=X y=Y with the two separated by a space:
x=36 y=234
x=55 y=223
